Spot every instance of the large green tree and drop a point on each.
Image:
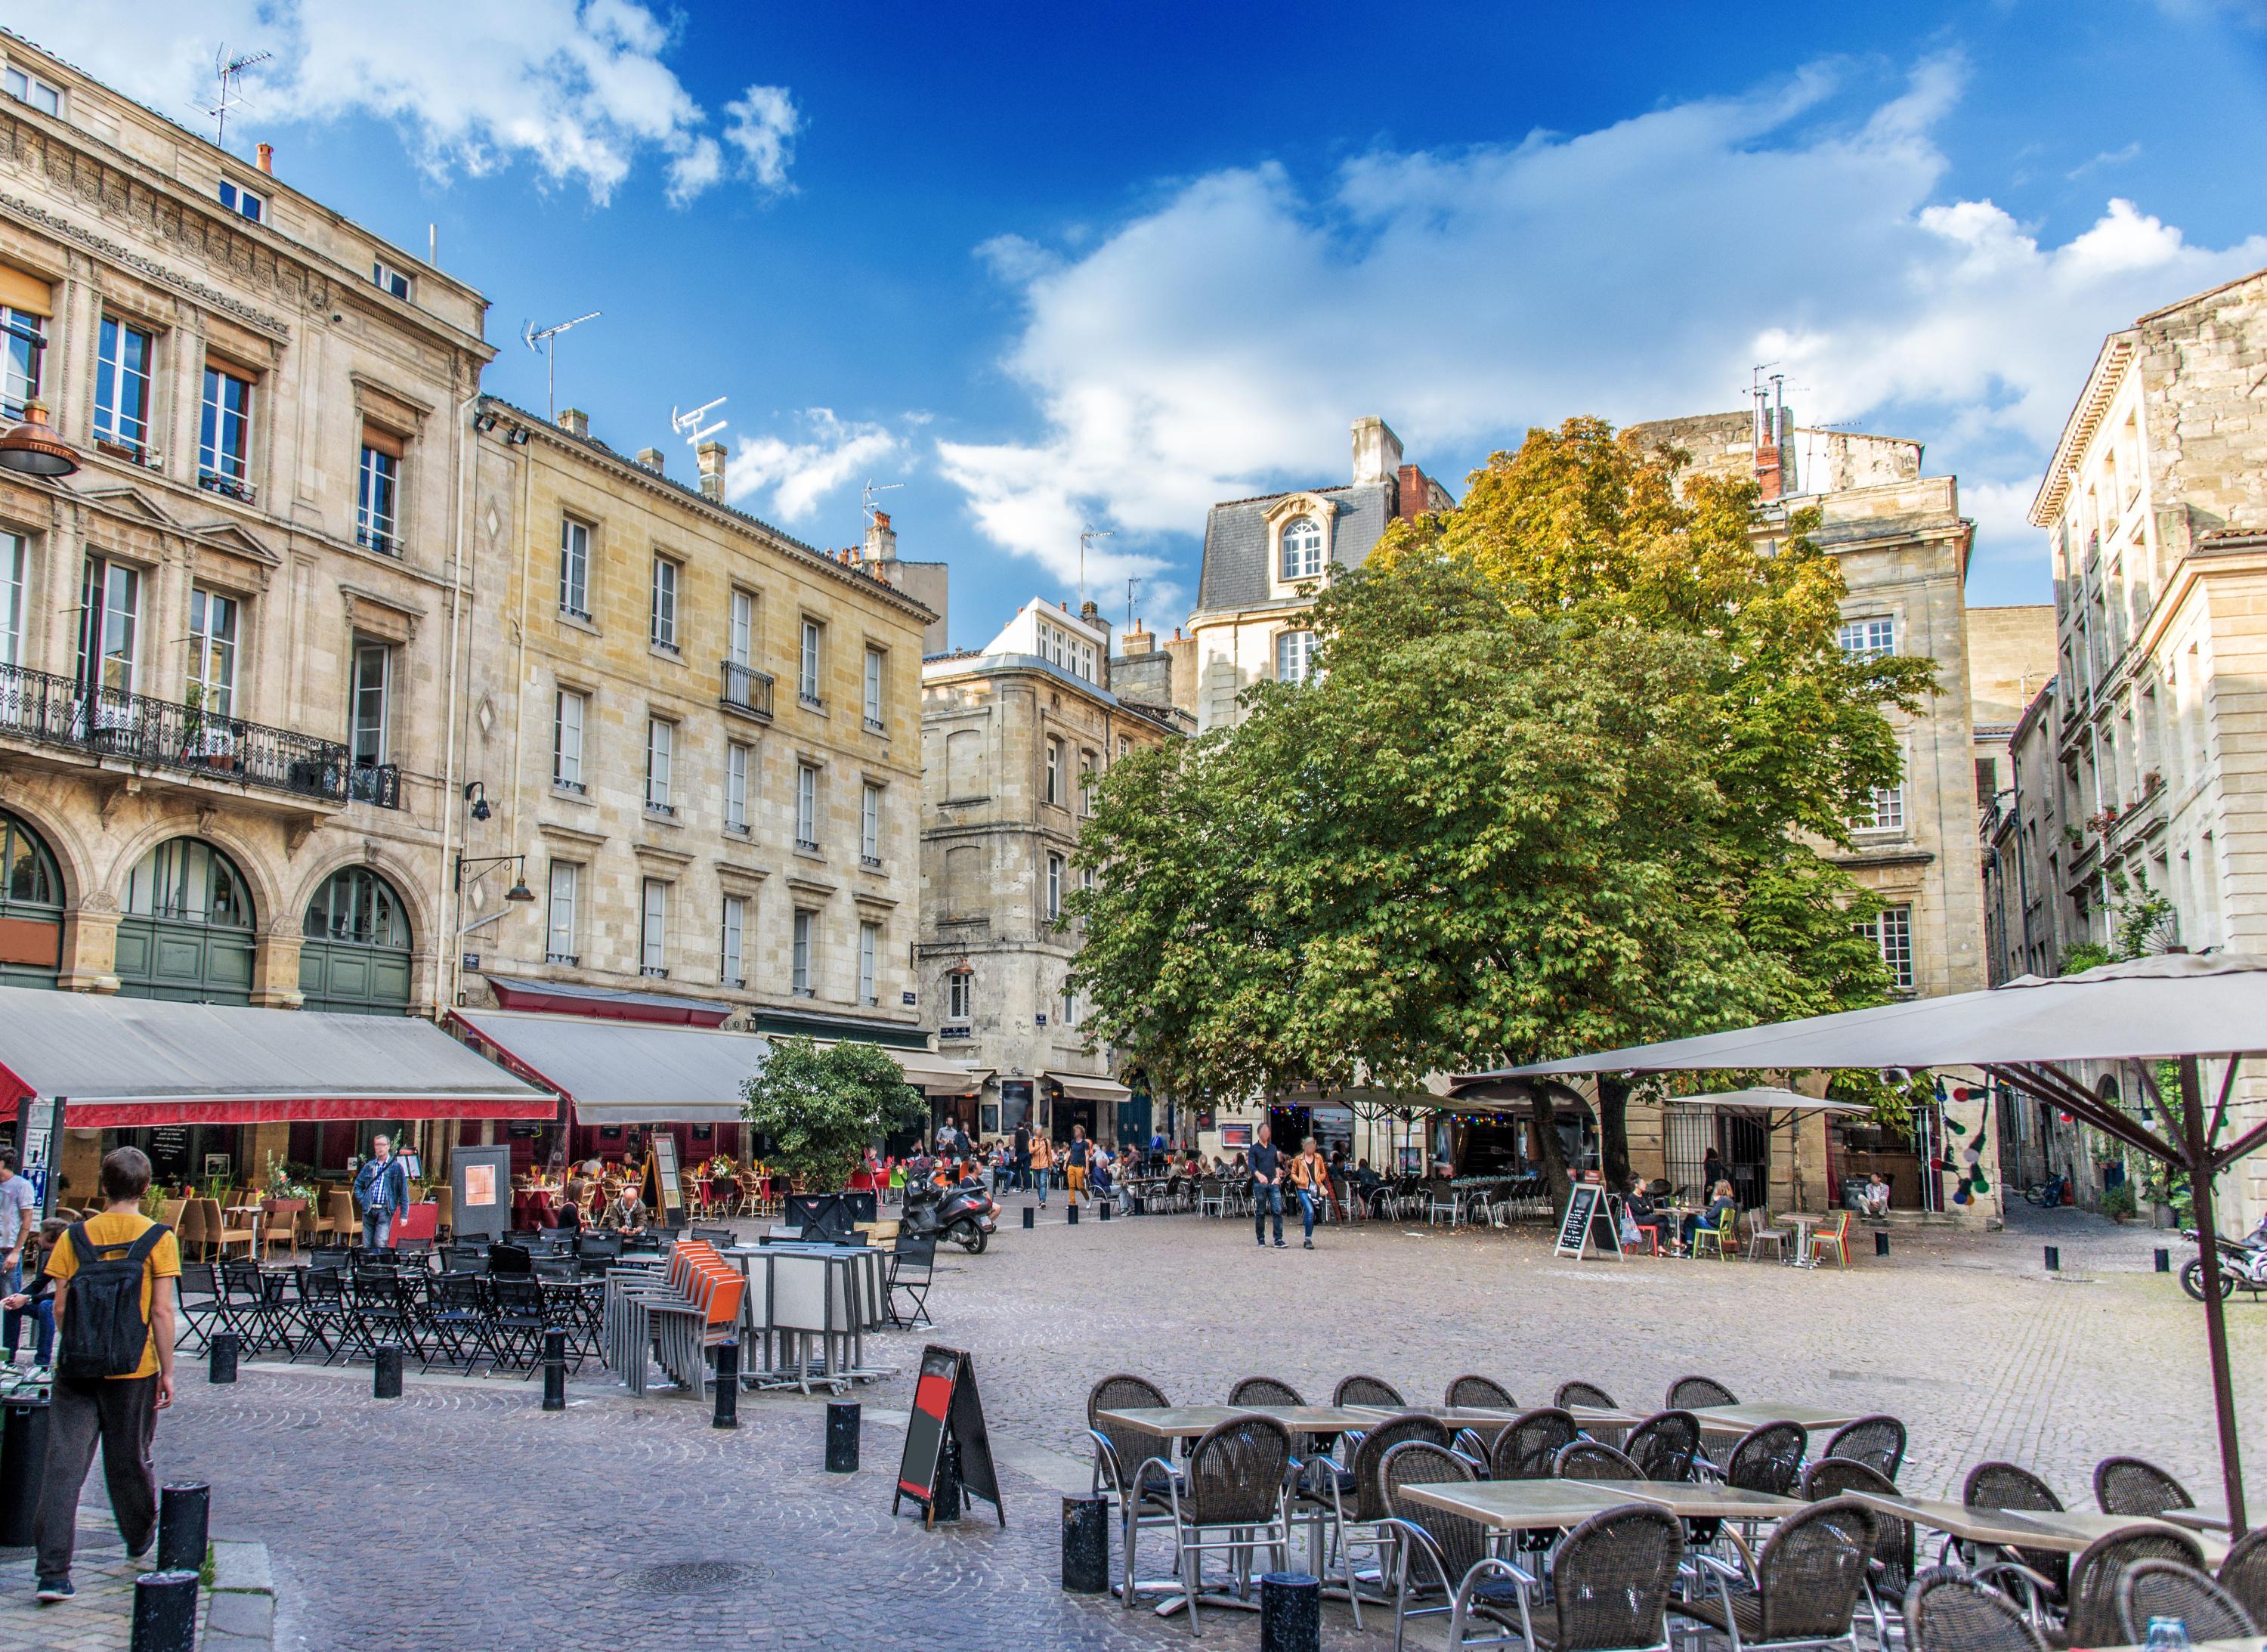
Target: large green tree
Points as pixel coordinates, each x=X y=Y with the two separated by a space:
x=821 y=1108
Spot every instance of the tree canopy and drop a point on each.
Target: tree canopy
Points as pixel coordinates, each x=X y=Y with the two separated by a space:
x=1557 y=787
x=821 y=1108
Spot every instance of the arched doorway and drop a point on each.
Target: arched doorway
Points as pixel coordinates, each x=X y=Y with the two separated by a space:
x=31 y=907
x=356 y=958
x=187 y=932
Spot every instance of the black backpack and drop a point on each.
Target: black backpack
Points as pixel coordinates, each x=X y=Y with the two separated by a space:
x=104 y=1332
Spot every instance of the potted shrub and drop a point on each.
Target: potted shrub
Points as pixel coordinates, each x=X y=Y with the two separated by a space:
x=2117 y=1202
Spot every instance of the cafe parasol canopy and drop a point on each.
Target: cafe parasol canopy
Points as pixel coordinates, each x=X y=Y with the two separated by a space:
x=2189 y=1009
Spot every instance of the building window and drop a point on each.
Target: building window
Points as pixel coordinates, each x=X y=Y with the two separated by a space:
x=660 y=751
x=664 y=603
x=1295 y=657
x=1888 y=813
x=959 y=994
x=559 y=935
x=1302 y=549
x=1125 y=747
x=806 y=808
x=874 y=666
x=11 y=598
x=870 y=825
x=224 y=438
x=243 y=203
x=566 y=719
x=574 y=567
x=1054 y=886
x=212 y=655
x=869 y=948
x=807 y=674
x=383 y=276
x=380 y=493
x=735 y=787
x=1892 y=931
x=736 y=918
x=1054 y=771
x=1864 y=640
x=653 y=931
x=110 y=616
x=1086 y=782
x=1069 y=1005
x=24 y=337
x=739 y=647
x=799 y=968
x=371 y=738
x=1086 y=879
x=123 y=357
x=26 y=87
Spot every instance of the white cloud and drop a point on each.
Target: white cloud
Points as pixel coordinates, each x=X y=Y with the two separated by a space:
x=577 y=89
x=799 y=473
x=1221 y=343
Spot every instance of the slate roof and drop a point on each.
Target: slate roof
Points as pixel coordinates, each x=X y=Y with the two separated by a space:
x=1235 y=571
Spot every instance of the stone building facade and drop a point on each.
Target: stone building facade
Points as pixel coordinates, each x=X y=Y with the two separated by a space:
x=1013 y=736
x=702 y=736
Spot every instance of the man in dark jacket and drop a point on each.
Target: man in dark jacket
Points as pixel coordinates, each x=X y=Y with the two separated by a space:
x=381 y=1190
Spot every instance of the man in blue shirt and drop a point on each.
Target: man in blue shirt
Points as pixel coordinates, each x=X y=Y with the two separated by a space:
x=382 y=1189
x=1266 y=1188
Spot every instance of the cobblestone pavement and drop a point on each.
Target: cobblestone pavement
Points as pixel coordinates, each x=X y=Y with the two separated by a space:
x=463 y=1516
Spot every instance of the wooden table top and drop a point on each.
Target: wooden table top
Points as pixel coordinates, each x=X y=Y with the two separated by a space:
x=1185 y=1422
x=1694 y=1500
x=1749 y=1415
x=2064 y=1531
x=1518 y=1505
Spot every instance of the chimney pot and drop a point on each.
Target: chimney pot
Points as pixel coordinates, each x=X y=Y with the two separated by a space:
x=575 y=421
x=651 y=458
x=711 y=457
x=267 y=153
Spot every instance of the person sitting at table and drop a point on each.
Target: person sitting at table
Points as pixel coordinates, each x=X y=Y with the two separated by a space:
x=1101 y=1173
x=1644 y=1213
x=1718 y=1204
x=625 y=1213
x=1368 y=1185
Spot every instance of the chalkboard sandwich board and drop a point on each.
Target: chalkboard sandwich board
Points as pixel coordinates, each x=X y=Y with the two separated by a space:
x=946 y=1437
x=1585 y=1205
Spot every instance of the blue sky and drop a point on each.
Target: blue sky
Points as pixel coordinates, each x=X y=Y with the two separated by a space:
x=1049 y=267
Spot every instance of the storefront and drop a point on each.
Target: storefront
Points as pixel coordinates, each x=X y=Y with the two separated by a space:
x=1082 y=1101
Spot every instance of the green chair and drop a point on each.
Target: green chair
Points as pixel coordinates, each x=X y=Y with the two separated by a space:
x=1718 y=1238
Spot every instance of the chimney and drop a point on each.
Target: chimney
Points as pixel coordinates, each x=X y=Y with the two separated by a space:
x=575 y=421
x=651 y=458
x=267 y=153
x=1376 y=451
x=711 y=455
x=1136 y=641
x=881 y=539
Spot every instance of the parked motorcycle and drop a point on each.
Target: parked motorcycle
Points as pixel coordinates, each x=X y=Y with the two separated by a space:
x=965 y=1214
x=2049 y=1193
x=2242 y=1262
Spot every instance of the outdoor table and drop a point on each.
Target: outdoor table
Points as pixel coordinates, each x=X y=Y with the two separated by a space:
x=1749 y=1416
x=2064 y=1531
x=1697 y=1501
x=1518 y=1505
x=1803 y=1223
x=1188 y=1422
x=1490 y=1421
x=2195 y=1520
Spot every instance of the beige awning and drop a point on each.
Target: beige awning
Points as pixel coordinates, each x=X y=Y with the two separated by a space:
x=624 y=1072
x=931 y=1073
x=1087 y=1087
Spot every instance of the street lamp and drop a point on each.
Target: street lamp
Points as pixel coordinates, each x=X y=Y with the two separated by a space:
x=31 y=449
x=482 y=864
x=477 y=794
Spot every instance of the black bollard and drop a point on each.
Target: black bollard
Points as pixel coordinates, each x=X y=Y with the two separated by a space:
x=225 y=1345
x=1073 y=1213
x=2164 y=1260
x=23 y=1455
x=1881 y=1242
x=1030 y=1216
x=385 y=1372
x=165 y=1612
x=728 y=1386
x=2054 y=1259
x=555 y=1368
x=1290 y=1612
x=1086 y=1544
x=184 y=1519
x=1103 y=1209
x=842 y=1418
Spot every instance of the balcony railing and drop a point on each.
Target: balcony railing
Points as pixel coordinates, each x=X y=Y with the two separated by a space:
x=58 y=711
x=745 y=689
x=232 y=487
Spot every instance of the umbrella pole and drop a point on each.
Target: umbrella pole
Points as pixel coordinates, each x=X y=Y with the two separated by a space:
x=2215 y=1310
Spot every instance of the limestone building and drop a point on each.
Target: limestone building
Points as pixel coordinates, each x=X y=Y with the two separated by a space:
x=1013 y=736
x=1265 y=558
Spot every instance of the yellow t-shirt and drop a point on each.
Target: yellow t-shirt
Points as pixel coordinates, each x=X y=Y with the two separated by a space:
x=123 y=1227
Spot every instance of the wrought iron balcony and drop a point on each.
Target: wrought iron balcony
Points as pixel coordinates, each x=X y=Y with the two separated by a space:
x=744 y=690
x=187 y=739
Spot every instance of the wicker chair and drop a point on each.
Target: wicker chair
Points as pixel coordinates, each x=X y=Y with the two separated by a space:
x=2100 y=1566
x=1436 y=1551
x=1353 y=1499
x=1229 y=1499
x=1588 y=1460
x=1610 y=1583
x=2129 y=1486
x=1664 y=1446
x=1948 y=1611
x=1997 y=1485
x=2166 y=1588
x=1768 y=1459
x=2244 y=1573
x=1484 y=1393
x=1806 y=1582
x=1688 y=1393
x=1528 y=1447
x=1264 y=1391
x=1366 y=1391
x=1572 y=1394
x=1879 y=1442
x=1119 y=1453
x=1891 y=1571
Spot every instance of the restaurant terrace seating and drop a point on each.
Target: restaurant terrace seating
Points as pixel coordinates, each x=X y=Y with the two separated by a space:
x=202 y=1311
x=2168 y=1589
x=2092 y=1620
x=1436 y=1551
x=1229 y=1500
x=1482 y=1392
x=1664 y=1446
x=1610 y=1581
x=1948 y=1611
x=1584 y=1394
x=1892 y=1569
x=1803 y=1587
x=1879 y=1442
x=1528 y=1449
x=1588 y=1459
x=1355 y=1527
x=1366 y=1391
x=1768 y=1459
x=1264 y=1391
x=2244 y=1573
x=1997 y=1485
x=2131 y=1485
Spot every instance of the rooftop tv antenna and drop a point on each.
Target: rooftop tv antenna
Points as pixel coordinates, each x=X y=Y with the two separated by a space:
x=1092 y=533
x=228 y=69
x=866 y=497
x=541 y=339
x=688 y=425
x=1132 y=580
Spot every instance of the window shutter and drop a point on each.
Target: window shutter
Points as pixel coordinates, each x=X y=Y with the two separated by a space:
x=384 y=441
x=31 y=294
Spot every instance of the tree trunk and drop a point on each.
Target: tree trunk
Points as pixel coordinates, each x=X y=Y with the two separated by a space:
x=1613 y=1129
x=1545 y=1107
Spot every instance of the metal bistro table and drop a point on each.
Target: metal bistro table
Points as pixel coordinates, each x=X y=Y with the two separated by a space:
x=810 y=1306
x=1487 y=1422
x=1749 y=1416
x=2063 y=1531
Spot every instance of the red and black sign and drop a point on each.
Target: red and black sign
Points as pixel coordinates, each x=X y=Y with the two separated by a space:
x=948 y=1422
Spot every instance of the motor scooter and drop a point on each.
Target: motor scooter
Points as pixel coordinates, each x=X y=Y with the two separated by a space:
x=966 y=1214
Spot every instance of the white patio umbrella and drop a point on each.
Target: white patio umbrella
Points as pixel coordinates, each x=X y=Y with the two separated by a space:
x=1780 y=1107
x=2178 y=1007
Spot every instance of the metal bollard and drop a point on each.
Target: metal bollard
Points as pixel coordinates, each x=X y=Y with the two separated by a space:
x=1086 y=1544
x=225 y=1346
x=1030 y=1216
x=1290 y=1612
x=1881 y=1242
x=183 y=1522
x=165 y=1612
x=728 y=1386
x=1103 y=1209
x=2054 y=1259
x=1073 y=1213
x=554 y=1369
x=385 y=1372
x=2164 y=1260
x=842 y=1422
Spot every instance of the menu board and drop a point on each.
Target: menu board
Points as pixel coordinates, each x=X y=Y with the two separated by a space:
x=668 y=1195
x=1574 y=1226
x=946 y=1434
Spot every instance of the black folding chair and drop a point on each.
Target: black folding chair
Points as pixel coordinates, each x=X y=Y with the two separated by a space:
x=203 y=1310
x=912 y=1266
x=324 y=1313
x=517 y=1318
x=459 y=1320
x=384 y=1310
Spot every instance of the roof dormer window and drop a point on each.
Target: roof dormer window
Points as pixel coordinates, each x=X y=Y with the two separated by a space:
x=245 y=203
x=26 y=87
x=384 y=276
x=1302 y=549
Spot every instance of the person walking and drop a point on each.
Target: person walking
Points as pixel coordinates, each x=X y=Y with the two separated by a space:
x=1043 y=1164
x=381 y=1189
x=1310 y=1180
x=1267 y=1188
x=17 y=1204
x=1023 y=1155
x=113 y=1303
x=1075 y=1162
